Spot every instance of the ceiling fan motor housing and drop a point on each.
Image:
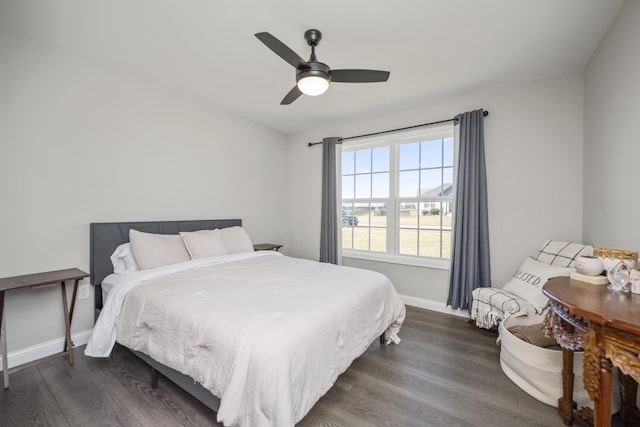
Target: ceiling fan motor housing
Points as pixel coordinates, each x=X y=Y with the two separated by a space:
x=317 y=69
x=312 y=37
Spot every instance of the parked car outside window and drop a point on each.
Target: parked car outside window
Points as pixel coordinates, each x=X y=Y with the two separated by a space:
x=349 y=220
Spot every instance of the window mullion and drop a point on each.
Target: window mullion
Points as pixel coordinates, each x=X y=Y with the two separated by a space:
x=392 y=222
x=418 y=196
x=370 y=194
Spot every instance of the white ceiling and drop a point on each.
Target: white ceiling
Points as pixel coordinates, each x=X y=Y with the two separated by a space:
x=434 y=49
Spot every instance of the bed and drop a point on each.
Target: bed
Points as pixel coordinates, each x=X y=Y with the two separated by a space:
x=256 y=336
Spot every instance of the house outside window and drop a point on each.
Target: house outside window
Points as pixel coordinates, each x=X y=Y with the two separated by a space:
x=397 y=197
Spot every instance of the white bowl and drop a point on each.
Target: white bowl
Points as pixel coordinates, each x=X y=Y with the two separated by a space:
x=589 y=265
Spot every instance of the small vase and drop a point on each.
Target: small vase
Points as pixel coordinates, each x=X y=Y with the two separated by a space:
x=589 y=265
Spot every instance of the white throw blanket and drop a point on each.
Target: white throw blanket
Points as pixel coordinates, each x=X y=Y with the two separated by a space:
x=491 y=305
x=268 y=334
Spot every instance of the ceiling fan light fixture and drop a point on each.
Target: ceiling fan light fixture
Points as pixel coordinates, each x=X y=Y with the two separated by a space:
x=313 y=85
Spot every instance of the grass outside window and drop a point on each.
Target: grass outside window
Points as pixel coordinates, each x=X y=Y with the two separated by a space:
x=371 y=235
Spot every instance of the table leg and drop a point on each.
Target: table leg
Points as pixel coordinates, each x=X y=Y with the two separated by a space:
x=71 y=309
x=566 y=405
x=3 y=343
x=628 y=409
x=67 y=322
x=73 y=300
x=602 y=405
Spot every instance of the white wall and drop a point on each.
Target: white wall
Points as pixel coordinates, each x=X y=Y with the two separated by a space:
x=82 y=143
x=533 y=142
x=612 y=144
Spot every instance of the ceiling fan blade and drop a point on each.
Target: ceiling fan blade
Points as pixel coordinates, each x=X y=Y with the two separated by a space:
x=359 y=76
x=291 y=96
x=281 y=49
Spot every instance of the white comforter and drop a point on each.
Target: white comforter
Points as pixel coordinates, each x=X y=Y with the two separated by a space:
x=268 y=334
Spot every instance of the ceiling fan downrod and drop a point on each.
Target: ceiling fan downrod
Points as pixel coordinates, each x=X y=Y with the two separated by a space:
x=313 y=38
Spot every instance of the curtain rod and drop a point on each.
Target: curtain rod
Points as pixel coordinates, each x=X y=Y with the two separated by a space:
x=484 y=113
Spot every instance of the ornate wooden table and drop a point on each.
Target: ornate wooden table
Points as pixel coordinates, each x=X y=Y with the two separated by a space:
x=606 y=324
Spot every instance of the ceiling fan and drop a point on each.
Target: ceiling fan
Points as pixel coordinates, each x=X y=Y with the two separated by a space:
x=313 y=77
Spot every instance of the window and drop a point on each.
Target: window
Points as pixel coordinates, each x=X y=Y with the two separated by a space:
x=397 y=197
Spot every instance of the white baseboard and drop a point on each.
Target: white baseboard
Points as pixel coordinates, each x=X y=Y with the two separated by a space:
x=38 y=351
x=432 y=305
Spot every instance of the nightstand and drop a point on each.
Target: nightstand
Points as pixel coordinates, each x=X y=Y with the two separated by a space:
x=266 y=247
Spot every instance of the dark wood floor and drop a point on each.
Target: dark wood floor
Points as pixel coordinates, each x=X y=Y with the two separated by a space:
x=444 y=373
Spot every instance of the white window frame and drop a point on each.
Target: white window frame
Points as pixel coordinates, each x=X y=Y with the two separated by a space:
x=393 y=201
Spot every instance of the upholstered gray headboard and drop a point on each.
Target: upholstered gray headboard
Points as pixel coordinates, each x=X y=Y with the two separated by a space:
x=105 y=237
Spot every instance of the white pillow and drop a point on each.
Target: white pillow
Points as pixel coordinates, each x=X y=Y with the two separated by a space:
x=203 y=243
x=155 y=250
x=564 y=254
x=528 y=281
x=236 y=240
x=123 y=260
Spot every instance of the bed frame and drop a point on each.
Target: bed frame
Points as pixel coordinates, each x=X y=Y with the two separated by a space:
x=105 y=237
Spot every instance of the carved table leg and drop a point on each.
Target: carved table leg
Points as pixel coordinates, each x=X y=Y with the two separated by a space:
x=628 y=410
x=570 y=339
x=566 y=405
x=597 y=377
x=602 y=416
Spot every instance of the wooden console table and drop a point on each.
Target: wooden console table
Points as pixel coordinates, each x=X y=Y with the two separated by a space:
x=40 y=280
x=606 y=324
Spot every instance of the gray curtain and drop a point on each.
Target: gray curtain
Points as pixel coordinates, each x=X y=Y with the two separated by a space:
x=470 y=266
x=329 y=218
